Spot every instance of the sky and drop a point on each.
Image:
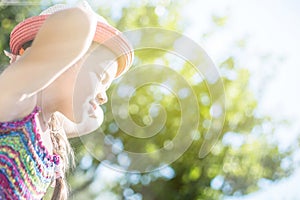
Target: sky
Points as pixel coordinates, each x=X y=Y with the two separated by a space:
x=271 y=29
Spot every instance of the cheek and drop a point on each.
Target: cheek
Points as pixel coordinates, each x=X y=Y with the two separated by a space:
x=84 y=90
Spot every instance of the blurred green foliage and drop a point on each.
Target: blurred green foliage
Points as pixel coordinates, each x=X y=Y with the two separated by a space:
x=10 y=16
x=240 y=159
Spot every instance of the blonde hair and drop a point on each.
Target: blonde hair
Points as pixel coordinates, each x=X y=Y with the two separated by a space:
x=61 y=147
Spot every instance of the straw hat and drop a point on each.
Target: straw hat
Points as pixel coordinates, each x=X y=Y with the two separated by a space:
x=105 y=34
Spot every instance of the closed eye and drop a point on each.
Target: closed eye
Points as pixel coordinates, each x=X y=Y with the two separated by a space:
x=99 y=77
x=104 y=79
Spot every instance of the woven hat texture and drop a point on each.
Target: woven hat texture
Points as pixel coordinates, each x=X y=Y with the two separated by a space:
x=105 y=34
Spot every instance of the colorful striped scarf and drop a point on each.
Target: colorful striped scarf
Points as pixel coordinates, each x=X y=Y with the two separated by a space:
x=26 y=168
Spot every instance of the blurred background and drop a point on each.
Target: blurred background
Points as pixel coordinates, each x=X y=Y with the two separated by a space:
x=254 y=45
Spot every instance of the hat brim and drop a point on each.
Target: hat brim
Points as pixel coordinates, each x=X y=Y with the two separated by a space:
x=105 y=34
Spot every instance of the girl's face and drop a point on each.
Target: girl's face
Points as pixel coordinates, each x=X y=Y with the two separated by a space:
x=97 y=71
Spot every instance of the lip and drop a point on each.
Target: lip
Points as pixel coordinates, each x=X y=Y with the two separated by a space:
x=94 y=105
x=93 y=116
x=94 y=112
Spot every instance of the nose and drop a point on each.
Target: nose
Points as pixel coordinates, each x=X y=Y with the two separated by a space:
x=101 y=98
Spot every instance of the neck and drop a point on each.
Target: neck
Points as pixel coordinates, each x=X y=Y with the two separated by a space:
x=45 y=114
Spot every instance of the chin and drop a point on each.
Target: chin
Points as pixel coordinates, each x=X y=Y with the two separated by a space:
x=91 y=121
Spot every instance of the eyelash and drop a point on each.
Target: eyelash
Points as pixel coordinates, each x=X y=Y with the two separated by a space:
x=99 y=77
x=103 y=80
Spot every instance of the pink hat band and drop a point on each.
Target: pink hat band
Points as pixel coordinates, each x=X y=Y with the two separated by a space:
x=105 y=34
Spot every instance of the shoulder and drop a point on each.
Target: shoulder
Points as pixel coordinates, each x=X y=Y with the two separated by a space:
x=11 y=110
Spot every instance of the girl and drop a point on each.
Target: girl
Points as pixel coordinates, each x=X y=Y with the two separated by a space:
x=62 y=63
